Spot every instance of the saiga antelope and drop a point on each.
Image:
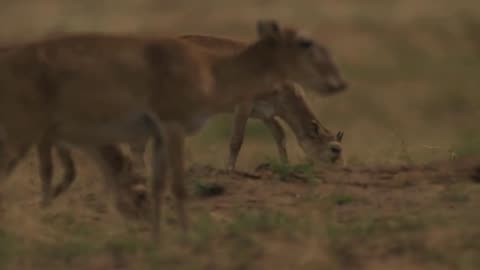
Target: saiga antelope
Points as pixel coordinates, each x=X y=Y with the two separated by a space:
x=97 y=90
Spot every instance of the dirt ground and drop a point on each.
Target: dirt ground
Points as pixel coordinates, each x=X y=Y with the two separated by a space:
x=356 y=217
x=408 y=197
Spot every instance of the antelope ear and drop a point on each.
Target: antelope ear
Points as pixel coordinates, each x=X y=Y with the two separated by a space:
x=315 y=130
x=339 y=136
x=268 y=29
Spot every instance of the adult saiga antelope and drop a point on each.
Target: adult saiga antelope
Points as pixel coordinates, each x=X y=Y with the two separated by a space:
x=97 y=90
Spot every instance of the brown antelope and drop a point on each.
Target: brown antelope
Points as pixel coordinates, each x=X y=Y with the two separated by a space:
x=295 y=111
x=97 y=90
x=289 y=104
x=52 y=92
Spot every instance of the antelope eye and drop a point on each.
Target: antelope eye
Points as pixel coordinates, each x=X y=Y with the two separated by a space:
x=305 y=44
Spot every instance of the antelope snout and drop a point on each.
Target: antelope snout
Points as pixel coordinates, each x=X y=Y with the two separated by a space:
x=336 y=151
x=336 y=84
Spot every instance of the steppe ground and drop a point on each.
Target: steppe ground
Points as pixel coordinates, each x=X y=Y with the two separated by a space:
x=409 y=197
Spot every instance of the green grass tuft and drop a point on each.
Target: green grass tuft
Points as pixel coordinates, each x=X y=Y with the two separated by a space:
x=7 y=249
x=470 y=145
x=260 y=221
x=455 y=195
x=69 y=250
x=286 y=171
x=205 y=189
x=342 y=199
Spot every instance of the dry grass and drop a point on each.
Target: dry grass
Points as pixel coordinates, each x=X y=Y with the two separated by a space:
x=414 y=99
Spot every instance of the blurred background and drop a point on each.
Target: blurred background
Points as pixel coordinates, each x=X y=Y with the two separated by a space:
x=412 y=66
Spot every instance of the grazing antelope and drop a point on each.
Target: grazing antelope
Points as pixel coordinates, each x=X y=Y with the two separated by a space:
x=289 y=104
x=294 y=110
x=98 y=90
x=314 y=139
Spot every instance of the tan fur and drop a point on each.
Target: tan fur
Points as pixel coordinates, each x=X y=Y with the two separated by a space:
x=50 y=94
x=289 y=104
x=97 y=90
x=296 y=109
x=323 y=147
